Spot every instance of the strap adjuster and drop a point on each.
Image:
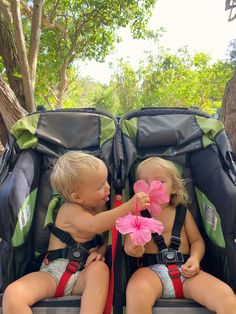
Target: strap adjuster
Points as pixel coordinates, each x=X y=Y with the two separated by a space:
x=175 y=240
x=174 y=272
x=72 y=266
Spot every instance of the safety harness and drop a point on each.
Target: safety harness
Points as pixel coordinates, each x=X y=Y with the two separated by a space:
x=75 y=252
x=169 y=255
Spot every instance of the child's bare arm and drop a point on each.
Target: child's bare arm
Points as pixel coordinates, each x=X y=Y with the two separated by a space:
x=197 y=247
x=93 y=224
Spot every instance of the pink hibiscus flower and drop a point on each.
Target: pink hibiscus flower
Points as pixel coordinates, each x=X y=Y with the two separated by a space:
x=157 y=194
x=139 y=228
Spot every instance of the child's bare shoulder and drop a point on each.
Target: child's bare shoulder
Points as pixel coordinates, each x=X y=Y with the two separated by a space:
x=69 y=210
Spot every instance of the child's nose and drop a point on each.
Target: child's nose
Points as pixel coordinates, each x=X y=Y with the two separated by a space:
x=107 y=186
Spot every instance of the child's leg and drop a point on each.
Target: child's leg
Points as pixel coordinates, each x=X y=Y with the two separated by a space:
x=143 y=288
x=210 y=292
x=24 y=292
x=93 y=284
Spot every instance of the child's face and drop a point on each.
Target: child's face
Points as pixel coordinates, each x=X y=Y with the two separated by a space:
x=94 y=191
x=150 y=173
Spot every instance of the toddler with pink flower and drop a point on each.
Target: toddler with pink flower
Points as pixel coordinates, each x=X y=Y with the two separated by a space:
x=171 y=254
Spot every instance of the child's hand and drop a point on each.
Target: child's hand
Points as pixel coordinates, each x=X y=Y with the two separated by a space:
x=190 y=268
x=94 y=256
x=139 y=201
x=132 y=249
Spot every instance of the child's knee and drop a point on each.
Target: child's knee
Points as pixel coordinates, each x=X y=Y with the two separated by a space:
x=139 y=289
x=99 y=267
x=12 y=293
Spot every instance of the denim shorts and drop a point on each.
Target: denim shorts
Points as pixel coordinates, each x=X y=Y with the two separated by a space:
x=56 y=268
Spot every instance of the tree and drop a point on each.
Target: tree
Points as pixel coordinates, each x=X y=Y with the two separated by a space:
x=228 y=115
x=70 y=30
x=164 y=79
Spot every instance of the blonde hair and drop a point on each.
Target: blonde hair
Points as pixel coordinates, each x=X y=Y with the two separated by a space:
x=181 y=196
x=70 y=170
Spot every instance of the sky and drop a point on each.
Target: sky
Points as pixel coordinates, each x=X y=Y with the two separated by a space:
x=201 y=25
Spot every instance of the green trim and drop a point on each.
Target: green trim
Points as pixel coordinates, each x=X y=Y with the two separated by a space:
x=108 y=129
x=53 y=207
x=211 y=219
x=130 y=128
x=24 y=131
x=25 y=217
x=210 y=127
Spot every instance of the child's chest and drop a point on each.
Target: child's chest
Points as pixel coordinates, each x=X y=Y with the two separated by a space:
x=167 y=218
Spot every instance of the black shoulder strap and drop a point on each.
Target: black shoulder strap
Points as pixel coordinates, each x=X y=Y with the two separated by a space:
x=177 y=226
x=66 y=238
x=158 y=239
x=180 y=215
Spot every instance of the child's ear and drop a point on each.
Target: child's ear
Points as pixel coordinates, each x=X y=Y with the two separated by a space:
x=75 y=197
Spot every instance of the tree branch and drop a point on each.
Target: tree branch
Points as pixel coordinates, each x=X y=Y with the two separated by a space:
x=45 y=21
x=10 y=109
x=24 y=65
x=9 y=53
x=35 y=39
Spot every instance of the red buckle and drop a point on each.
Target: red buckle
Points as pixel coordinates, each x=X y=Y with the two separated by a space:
x=72 y=266
x=174 y=272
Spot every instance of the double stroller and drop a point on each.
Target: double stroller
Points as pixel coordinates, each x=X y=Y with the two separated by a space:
x=192 y=139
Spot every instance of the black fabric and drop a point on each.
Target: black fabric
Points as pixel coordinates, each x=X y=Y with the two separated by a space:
x=66 y=238
x=180 y=215
x=15 y=261
x=212 y=179
x=151 y=259
x=74 y=253
x=177 y=226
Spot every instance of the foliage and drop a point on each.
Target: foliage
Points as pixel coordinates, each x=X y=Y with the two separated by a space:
x=84 y=29
x=172 y=80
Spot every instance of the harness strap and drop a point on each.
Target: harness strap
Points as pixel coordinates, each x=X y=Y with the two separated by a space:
x=71 y=268
x=66 y=238
x=158 y=239
x=173 y=269
x=177 y=226
x=175 y=274
x=77 y=255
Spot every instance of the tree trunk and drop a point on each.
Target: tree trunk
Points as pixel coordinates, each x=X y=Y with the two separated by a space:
x=10 y=110
x=62 y=85
x=35 y=39
x=228 y=116
x=3 y=134
x=9 y=53
x=24 y=65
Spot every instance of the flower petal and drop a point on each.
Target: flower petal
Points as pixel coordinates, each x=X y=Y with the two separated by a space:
x=154 y=209
x=140 y=237
x=158 y=193
x=126 y=224
x=141 y=186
